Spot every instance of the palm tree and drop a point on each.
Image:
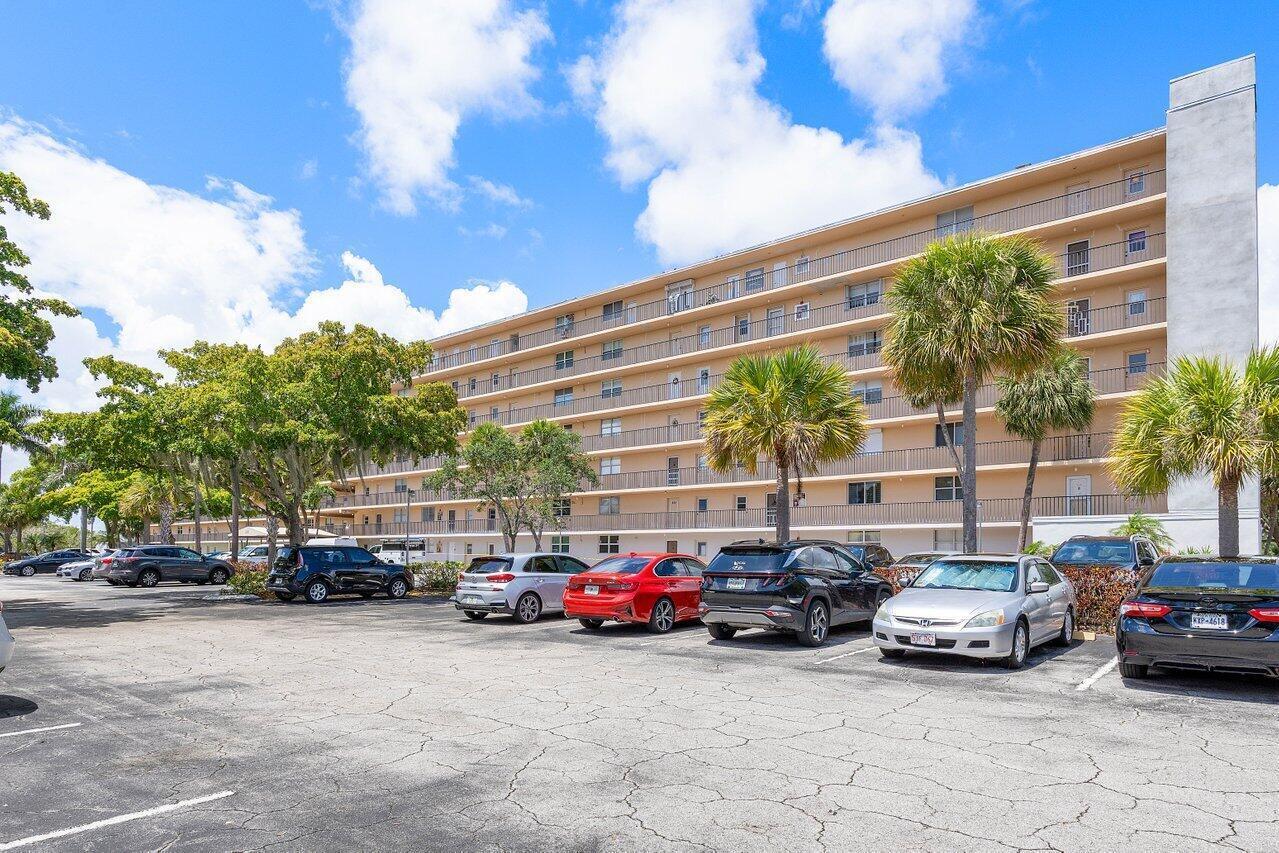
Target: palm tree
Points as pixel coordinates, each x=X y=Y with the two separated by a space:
x=156 y=496
x=1202 y=417
x=1055 y=396
x=793 y=408
x=16 y=418
x=1140 y=524
x=971 y=306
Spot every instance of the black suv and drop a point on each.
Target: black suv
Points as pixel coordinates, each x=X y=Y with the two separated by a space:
x=147 y=565
x=1132 y=553
x=49 y=562
x=317 y=571
x=804 y=586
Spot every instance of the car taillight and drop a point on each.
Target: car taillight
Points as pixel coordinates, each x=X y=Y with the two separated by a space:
x=501 y=577
x=1144 y=609
x=106 y=561
x=461 y=576
x=1265 y=614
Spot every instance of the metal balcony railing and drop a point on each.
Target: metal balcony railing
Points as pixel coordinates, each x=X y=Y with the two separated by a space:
x=1081 y=319
x=1028 y=215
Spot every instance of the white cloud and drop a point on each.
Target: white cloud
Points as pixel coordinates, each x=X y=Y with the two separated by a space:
x=497 y=232
x=892 y=54
x=674 y=90
x=168 y=267
x=500 y=193
x=418 y=68
x=1268 y=260
x=308 y=169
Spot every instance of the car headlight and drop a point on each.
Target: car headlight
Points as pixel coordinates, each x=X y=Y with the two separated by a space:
x=989 y=619
x=881 y=614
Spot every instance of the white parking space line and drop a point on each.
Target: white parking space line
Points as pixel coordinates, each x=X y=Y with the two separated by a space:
x=112 y=821
x=845 y=655
x=1099 y=674
x=43 y=729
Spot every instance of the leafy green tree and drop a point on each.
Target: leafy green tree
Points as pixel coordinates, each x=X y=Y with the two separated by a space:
x=1140 y=524
x=1203 y=417
x=1055 y=396
x=22 y=505
x=24 y=332
x=556 y=469
x=792 y=408
x=971 y=307
x=16 y=420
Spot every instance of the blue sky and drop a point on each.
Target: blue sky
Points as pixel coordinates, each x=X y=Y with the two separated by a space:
x=260 y=97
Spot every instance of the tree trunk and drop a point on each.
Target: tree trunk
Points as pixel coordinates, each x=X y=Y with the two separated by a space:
x=113 y=534
x=968 y=478
x=1028 y=496
x=1228 y=519
x=783 y=503
x=199 y=539
x=166 y=521
x=297 y=530
x=84 y=528
x=235 y=509
x=8 y=542
x=272 y=534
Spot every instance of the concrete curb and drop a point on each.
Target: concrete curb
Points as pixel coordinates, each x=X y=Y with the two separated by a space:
x=217 y=596
x=1089 y=635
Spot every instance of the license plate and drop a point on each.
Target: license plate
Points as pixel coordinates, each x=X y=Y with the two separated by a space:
x=1215 y=621
x=917 y=639
x=592 y=589
x=736 y=583
x=472 y=599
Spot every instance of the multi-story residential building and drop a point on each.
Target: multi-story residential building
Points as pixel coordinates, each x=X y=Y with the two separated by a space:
x=1155 y=243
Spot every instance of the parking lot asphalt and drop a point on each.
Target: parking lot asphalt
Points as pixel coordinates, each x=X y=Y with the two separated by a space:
x=138 y=719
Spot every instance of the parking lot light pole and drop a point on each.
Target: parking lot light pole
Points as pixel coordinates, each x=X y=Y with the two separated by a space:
x=408 y=497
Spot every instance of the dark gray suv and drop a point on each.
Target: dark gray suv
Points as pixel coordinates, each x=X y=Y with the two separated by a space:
x=318 y=571
x=147 y=565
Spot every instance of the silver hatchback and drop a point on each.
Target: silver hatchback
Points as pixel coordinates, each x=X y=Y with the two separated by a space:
x=979 y=605
x=523 y=585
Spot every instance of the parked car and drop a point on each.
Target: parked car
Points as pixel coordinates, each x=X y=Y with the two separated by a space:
x=872 y=556
x=102 y=565
x=1204 y=613
x=653 y=589
x=979 y=605
x=801 y=586
x=148 y=565
x=80 y=570
x=7 y=642
x=1130 y=553
x=908 y=567
x=523 y=585
x=253 y=555
x=317 y=572
x=45 y=563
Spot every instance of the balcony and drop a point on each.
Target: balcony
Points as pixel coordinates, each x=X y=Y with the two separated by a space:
x=844 y=516
x=1029 y=215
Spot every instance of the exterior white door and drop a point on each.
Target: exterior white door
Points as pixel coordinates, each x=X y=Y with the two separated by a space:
x=1079 y=494
x=674 y=383
x=874 y=441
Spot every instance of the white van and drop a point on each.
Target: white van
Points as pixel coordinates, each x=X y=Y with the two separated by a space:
x=332 y=541
x=392 y=551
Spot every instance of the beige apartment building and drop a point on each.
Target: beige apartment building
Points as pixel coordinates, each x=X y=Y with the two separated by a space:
x=1155 y=243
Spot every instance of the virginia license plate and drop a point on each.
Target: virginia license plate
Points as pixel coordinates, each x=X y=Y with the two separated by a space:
x=917 y=639
x=736 y=583
x=1215 y=621
x=591 y=589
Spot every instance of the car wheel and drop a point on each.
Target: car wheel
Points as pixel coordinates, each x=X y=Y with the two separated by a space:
x=1067 y=628
x=661 y=619
x=592 y=624
x=397 y=588
x=285 y=596
x=86 y=574
x=720 y=631
x=218 y=576
x=528 y=608
x=477 y=615
x=892 y=653
x=317 y=592
x=28 y=571
x=1134 y=670
x=1021 y=647
x=148 y=578
x=816 y=625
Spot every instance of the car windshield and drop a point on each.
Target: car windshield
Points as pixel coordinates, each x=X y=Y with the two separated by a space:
x=1220 y=577
x=926 y=557
x=488 y=564
x=621 y=565
x=1108 y=553
x=983 y=575
x=741 y=560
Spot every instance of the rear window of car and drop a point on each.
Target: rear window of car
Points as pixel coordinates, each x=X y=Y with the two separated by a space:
x=750 y=561
x=1225 y=577
x=286 y=556
x=1105 y=553
x=983 y=575
x=621 y=565
x=488 y=564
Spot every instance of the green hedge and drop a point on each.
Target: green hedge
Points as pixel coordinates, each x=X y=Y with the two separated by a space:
x=436 y=578
x=248 y=579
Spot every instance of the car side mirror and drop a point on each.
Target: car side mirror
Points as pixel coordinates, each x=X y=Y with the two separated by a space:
x=1145 y=561
x=1038 y=586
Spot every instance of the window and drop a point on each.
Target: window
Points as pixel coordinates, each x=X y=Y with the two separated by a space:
x=610 y=465
x=456 y=387
x=611 y=388
x=470 y=548
x=559 y=543
x=732 y=285
x=947 y=489
x=1136 y=242
x=1078 y=317
x=495 y=348
x=774 y=321
x=611 y=350
x=865 y=536
x=801 y=266
x=667 y=568
x=493 y=413
x=613 y=311
x=947 y=540
x=470 y=417
x=611 y=505
x=865 y=343
x=561 y=507
x=701 y=463
x=755 y=279
x=740 y=503
x=700 y=550
x=864 y=493
x=495 y=381
x=703 y=336
x=955 y=221
x=802 y=312
x=1077 y=257
x=564 y=360
x=703 y=504
x=1135 y=181
x=1136 y=301
x=870 y=391
x=742 y=324
x=401 y=485
x=679 y=297
x=861 y=295
x=609 y=544
x=563 y=396
x=610 y=426
x=672 y=471
x=514 y=344
x=955 y=431
x=564 y=325
x=470 y=385
x=1137 y=362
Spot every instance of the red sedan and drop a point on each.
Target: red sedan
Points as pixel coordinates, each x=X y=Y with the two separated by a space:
x=656 y=589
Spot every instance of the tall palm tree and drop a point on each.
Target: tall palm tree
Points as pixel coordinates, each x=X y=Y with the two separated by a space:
x=793 y=408
x=1055 y=396
x=970 y=307
x=16 y=419
x=1202 y=417
x=156 y=495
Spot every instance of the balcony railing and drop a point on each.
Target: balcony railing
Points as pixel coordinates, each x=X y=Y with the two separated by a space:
x=1081 y=319
x=950 y=512
x=1055 y=449
x=1027 y=215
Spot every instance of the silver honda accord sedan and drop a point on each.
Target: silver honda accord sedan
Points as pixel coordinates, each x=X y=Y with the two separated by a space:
x=979 y=605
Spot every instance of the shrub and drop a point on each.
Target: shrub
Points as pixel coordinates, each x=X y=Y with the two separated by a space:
x=1040 y=549
x=436 y=578
x=1098 y=592
x=248 y=579
x=898 y=576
